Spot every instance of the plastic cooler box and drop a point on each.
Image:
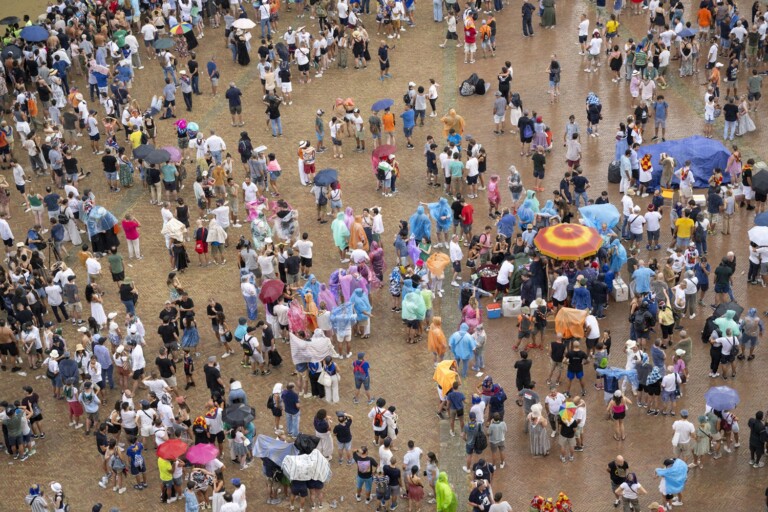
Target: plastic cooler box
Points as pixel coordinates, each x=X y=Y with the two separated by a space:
x=511 y=306
x=620 y=290
x=494 y=310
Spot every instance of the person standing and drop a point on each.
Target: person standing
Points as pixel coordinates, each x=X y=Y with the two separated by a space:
x=685 y=436
x=618 y=470
x=527 y=10
x=552 y=402
x=629 y=492
x=292 y=407
x=234 y=96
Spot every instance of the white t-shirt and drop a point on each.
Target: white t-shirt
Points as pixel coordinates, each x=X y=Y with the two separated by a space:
x=712 y=54
x=683 y=429
x=653 y=221
x=584 y=27
x=635 y=223
x=626 y=205
x=504 y=272
x=342 y=8
x=630 y=491
x=472 y=167
x=554 y=403
x=669 y=381
x=304 y=247
x=412 y=458
x=148 y=31
x=581 y=414
x=595 y=44
x=560 y=288
x=267 y=264
x=250 y=192
x=222 y=215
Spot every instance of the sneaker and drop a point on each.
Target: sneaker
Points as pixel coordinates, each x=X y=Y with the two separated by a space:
x=24 y=457
x=453 y=434
x=170 y=500
x=578 y=449
x=563 y=459
x=570 y=458
x=358 y=498
x=465 y=468
x=102 y=484
x=122 y=491
x=368 y=501
x=552 y=434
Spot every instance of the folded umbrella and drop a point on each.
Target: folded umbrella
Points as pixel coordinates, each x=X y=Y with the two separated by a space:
x=238 y=414
x=759 y=236
x=722 y=398
x=244 y=24
x=326 y=177
x=202 y=453
x=158 y=156
x=172 y=449
x=271 y=290
x=382 y=104
x=34 y=33
x=143 y=151
x=163 y=44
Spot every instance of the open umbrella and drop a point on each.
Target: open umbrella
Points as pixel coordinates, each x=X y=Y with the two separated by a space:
x=759 y=235
x=12 y=51
x=598 y=214
x=172 y=449
x=158 y=156
x=9 y=20
x=762 y=219
x=384 y=150
x=202 y=453
x=687 y=32
x=760 y=181
x=174 y=152
x=567 y=410
x=34 y=33
x=271 y=290
x=163 y=44
x=722 y=398
x=326 y=177
x=143 y=151
x=568 y=241
x=181 y=28
x=238 y=414
x=382 y=104
x=193 y=127
x=244 y=24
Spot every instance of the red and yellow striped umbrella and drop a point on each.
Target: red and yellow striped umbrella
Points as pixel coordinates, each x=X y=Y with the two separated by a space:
x=181 y=28
x=568 y=241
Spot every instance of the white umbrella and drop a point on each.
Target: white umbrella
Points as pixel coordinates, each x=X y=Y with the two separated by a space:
x=759 y=235
x=244 y=24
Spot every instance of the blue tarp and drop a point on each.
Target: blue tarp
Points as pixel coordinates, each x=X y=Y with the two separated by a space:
x=705 y=154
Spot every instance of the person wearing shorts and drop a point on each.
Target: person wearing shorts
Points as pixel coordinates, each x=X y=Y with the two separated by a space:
x=301 y=489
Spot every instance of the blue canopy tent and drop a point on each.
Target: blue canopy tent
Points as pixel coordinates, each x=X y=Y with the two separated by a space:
x=705 y=154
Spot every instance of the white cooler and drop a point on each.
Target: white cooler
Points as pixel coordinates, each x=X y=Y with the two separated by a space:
x=620 y=290
x=511 y=305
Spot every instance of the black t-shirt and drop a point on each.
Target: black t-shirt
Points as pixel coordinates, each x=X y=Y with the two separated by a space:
x=723 y=275
x=343 y=431
x=523 y=367
x=171 y=313
x=166 y=366
x=292 y=264
x=538 y=162
x=576 y=360
x=267 y=336
x=101 y=442
x=393 y=473
x=211 y=310
x=70 y=165
x=167 y=332
x=567 y=431
x=212 y=375
x=365 y=465
x=192 y=65
x=30 y=401
x=618 y=473
x=731 y=112
x=187 y=303
x=457 y=206
x=746 y=177
x=579 y=184
x=126 y=292
x=481 y=497
x=109 y=162
x=558 y=351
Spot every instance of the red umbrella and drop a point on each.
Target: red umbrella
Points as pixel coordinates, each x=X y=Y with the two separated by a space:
x=568 y=241
x=202 y=453
x=172 y=449
x=271 y=290
x=384 y=150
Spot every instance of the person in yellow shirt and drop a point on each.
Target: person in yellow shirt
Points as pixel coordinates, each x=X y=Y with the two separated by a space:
x=485 y=39
x=611 y=31
x=388 y=122
x=165 y=469
x=683 y=230
x=135 y=138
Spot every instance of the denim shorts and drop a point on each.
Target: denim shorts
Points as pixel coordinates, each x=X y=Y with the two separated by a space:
x=363 y=381
x=345 y=446
x=302 y=367
x=367 y=482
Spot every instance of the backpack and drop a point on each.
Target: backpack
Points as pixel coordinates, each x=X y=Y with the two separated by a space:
x=382 y=487
x=357 y=368
x=475 y=240
x=481 y=441
x=378 y=418
x=407 y=98
x=245 y=148
x=501 y=396
x=699 y=233
x=527 y=131
x=468 y=86
x=480 y=87
x=516 y=101
x=381 y=173
x=62 y=218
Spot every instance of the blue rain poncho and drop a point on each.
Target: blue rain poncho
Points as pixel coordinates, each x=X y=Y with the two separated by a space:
x=420 y=224
x=506 y=225
x=342 y=317
x=407 y=288
x=414 y=307
x=595 y=215
x=525 y=214
x=674 y=477
x=727 y=322
x=618 y=256
x=549 y=209
x=312 y=286
x=442 y=213
x=530 y=195
x=582 y=299
x=361 y=304
x=462 y=343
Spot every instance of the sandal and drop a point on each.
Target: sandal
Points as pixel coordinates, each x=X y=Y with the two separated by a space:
x=615 y=437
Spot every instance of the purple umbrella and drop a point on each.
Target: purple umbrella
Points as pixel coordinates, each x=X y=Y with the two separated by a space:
x=722 y=398
x=174 y=152
x=202 y=453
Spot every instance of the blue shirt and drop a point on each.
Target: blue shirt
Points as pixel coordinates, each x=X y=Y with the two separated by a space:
x=191 y=504
x=102 y=356
x=409 y=118
x=455 y=400
x=642 y=277
x=290 y=401
x=660 y=110
x=364 y=366
x=240 y=332
x=658 y=356
x=211 y=67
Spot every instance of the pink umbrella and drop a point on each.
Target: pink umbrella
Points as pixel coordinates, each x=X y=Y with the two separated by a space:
x=174 y=152
x=202 y=453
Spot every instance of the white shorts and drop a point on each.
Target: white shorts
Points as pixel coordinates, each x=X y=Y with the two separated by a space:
x=498 y=119
x=470 y=47
x=748 y=194
x=345 y=335
x=286 y=87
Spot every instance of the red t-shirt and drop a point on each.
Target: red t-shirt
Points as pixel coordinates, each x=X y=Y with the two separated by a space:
x=466 y=214
x=131 y=228
x=470 y=35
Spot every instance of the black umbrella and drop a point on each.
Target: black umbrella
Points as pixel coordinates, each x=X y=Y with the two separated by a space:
x=9 y=20
x=11 y=50
x=238 y=414
x=728 y=306
x=760 y=181
x=158 y=156
x=143 y=151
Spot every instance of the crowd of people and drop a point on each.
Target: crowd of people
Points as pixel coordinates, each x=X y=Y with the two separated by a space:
x=289 y=308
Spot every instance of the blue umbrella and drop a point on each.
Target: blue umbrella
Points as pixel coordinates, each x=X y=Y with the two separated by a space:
x=687 y=32
x=11 y=50
x=597 y=214
x=722 y=398
x=34 y=33
x=382 y=104
x=326 y=177
x=762 y=219
x=163 y=44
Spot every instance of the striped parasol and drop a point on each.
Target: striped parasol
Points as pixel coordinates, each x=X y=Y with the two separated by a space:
x=568 y=241
x=180 y=29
